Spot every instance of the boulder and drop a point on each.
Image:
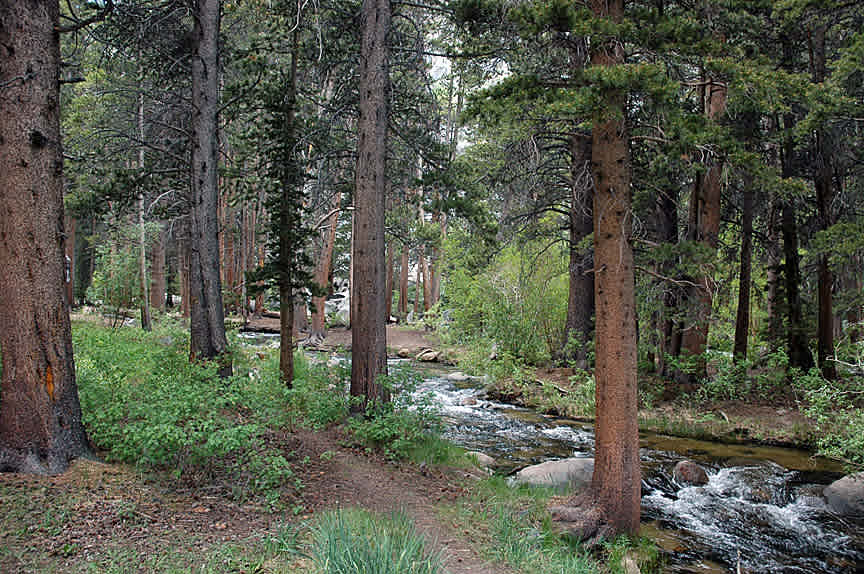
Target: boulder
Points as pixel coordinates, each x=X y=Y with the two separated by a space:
x=404 y=353
x=468 y=402
x=846 y=496
x=571 y=472
x=482 y=460
x=689 y=473
x=458 y=377
x=428 y=355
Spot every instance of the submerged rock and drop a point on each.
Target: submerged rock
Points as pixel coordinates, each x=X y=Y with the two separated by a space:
x=458 y=377
x=573 y=472
x=846 y=496
x=690 y=473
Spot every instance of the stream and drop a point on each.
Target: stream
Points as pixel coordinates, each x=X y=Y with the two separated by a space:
x=761 y=509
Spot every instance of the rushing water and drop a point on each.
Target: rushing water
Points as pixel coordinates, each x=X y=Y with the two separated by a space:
x=761 y=510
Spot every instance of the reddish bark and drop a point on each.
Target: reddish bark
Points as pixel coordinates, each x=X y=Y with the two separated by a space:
x=368 y=325
x=704 y=228
x=615 y=494
x=40 y=416
x=323 y=269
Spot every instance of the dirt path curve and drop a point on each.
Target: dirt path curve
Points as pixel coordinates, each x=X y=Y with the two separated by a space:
x=349 y=479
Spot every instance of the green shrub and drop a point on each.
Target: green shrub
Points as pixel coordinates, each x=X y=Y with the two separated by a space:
x=399 y=426
x=357 y=541
x=144 y=403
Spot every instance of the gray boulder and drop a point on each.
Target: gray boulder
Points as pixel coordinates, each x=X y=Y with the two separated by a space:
x=458 y=377
x=571 y=472
x=846 y=496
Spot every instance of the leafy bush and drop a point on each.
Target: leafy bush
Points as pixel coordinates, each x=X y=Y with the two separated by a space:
x=519 y=302
x=401 y=425
x=144 y=403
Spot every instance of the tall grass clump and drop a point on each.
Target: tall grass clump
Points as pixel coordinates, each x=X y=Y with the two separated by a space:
x=354 y=541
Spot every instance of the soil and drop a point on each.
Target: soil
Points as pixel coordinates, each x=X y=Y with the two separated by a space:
x=95 y=507
x=97 y=510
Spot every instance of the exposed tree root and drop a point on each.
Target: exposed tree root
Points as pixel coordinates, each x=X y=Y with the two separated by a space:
x=583 y=518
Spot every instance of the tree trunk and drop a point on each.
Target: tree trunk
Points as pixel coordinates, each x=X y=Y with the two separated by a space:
x=40 y=416
x=742 y=318
x=207 y=325
x=704 y=227
x=322 y=271
x=669 y=339
x=823 y=179
x=580 y=301
x=615 y=486
x=157 y=272
x=368 y=327
x=796 y=332
x=69 y=248
x=418 y=282
x=403 y=284
x=144 y=285
x=388 y=303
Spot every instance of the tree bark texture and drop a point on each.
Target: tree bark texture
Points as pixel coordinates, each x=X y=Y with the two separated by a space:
x=742 y=316
x=207 y=324
x=40 y=416
x=704 y=227
x=823 y=179
x=615 y=485
x=796 y=332
x=322 y=271
x=368 y=321
x=579 y=327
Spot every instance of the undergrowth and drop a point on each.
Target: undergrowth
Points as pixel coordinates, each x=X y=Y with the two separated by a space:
x=145 y=404
x=514 y=526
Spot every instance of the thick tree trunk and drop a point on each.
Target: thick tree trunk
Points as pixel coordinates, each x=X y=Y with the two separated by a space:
x=144 y=285
x=704 y=227
x=207 y=325
x=368 y=326
x=286 y=334
x=796 y=332
x=579 y=328
x=418 y=282
x=773 y=275
x=823 y=179
x=742 y=318
x=615 y=486
x=40 y=417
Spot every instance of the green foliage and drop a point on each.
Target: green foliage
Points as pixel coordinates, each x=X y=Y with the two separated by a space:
x=519 y=302
x=515 y=527
x=354 y=541
x=402 y=425
x=144 y=403
x=838 y=410
x=318 y=395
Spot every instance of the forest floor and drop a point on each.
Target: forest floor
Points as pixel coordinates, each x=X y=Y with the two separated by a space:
x=109 y=518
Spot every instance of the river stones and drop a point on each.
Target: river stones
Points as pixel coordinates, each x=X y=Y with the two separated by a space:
x=428 y=356
x=689 y=473
x=481 y=459
x=571 y=472
x=846 y=496
x=458 y=377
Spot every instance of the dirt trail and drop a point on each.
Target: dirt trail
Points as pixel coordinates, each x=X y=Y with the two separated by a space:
x=350 y=479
